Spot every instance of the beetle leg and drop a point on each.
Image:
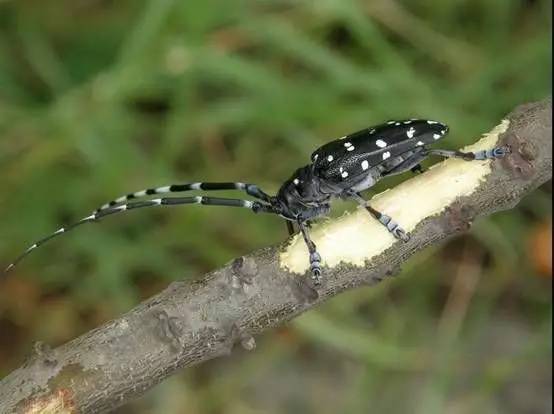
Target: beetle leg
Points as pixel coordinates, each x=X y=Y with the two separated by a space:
x=410 y=162
x=392 y=226
x=417 y=169
x=491 y=154
x=315 y=258
x=290 y=227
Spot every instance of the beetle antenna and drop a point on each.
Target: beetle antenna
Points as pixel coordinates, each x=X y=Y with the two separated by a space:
x=250 y=189
x=255 y=206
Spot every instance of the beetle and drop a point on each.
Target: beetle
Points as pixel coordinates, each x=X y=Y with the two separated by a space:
x=342 y=168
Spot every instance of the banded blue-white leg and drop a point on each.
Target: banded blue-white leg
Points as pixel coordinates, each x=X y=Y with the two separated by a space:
x=315 y=258
x=255 y=206
x=392 y=226
x=250 y=189
x=490 y=154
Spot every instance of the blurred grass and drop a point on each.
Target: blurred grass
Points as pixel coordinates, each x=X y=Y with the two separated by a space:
x=98 y=98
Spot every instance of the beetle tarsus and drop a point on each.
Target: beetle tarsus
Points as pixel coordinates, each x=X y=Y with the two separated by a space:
x=315 y=267
x=393 y=227
x=501 y=152
x=316 y=276
x=491 y=154
x=401 y=234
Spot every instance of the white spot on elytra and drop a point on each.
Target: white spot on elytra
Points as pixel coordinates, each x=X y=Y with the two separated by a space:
x=436 y=136
x=380 y=143
x=390 y=122
x=344 y=174
x=341 y=169
x=419 y=143
x=408 y=122
x=365 y=165
x=350 y=148
x=432 y=122
x=347 y=144
x=372 y=131
x=330 y=158
x=386 y=155
x=443 y=131
x=397 y=123
x=410 y=132
x=296 y=181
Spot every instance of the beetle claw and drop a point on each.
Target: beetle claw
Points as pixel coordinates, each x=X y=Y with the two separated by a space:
x=316 y=276
x=401 y=234
x=500 y=152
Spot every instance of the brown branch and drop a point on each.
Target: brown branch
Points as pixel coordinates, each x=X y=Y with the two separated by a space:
x=192 y=322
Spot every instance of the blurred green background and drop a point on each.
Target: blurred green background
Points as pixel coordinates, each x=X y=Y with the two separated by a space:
x=99 y=98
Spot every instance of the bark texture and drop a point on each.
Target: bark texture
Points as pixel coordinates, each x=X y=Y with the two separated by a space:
x=191 y=322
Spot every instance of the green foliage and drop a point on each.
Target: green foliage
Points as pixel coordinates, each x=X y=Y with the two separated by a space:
x=99 y=98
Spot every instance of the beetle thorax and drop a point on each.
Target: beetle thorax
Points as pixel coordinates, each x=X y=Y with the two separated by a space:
x=301 y=192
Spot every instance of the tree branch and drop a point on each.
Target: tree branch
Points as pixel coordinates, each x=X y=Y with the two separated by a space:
x=192 y=322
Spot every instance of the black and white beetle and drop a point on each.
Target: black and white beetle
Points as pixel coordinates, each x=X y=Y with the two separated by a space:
x=339 y=169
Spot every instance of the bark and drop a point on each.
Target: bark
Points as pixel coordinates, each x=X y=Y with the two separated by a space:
x=195 y=321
